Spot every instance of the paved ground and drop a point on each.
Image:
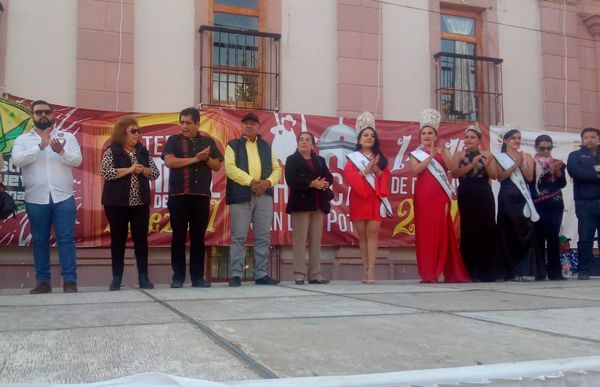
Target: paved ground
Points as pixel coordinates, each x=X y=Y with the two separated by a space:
x=253 y=332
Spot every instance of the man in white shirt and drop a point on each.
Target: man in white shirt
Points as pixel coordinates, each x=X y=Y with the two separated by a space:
x=46 y=156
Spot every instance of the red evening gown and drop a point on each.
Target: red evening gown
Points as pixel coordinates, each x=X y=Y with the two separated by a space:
x=437 y=247
x=364 y=202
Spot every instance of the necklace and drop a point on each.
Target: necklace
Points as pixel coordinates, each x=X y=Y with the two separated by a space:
x=367 y=155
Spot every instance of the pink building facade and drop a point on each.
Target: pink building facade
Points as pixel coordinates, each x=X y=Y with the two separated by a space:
x=573 y=61
x=363 y=52
x=530 y=63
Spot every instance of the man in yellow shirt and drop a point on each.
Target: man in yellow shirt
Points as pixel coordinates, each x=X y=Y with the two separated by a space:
x=252 y=170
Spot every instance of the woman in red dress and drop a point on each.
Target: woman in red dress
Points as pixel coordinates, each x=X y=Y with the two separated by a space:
x=366 y=172
x=438 y=255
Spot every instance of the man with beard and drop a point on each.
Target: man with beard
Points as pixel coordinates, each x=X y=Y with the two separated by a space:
x=46 y=156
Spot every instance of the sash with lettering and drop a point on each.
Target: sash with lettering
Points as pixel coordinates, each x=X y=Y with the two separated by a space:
x=360 y=161
x=517 y=178
x=436 y=169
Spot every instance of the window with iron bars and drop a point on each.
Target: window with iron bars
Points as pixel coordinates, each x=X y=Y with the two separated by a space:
x=468 y=84
x=469 y=88
x=239 y=68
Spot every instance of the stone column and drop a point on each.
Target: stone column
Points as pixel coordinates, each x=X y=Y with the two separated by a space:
x=358 y=58
x=100 y=34
x=592 y=101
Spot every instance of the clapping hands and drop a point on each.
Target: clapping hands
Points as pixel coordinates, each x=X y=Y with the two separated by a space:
x=136 y=168
x=372 y=166
x=519 y=159
x=57 y=145
x=203 y=155
x=319 y=183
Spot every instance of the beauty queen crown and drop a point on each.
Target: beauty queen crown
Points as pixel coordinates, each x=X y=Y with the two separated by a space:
x=365 y=120
x=431 y=118
x=475 y=127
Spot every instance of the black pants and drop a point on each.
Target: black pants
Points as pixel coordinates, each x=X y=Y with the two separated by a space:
x=192 y=210
x=119 y=218
x=547 y=230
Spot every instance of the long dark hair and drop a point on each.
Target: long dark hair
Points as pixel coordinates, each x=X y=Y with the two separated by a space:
x=508 y=135
x=383 y=161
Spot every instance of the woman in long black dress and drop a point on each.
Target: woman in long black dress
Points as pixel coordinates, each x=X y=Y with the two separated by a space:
x=479 y=233
x=515 y=212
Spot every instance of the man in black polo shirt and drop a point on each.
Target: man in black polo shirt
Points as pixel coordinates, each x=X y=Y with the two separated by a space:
x=191 y=156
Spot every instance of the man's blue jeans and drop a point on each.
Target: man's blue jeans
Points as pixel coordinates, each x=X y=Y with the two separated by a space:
x=588 y=221
x=41 y=218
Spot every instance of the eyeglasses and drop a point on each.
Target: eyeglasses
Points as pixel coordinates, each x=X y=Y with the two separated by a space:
x=134 y=131
x=545 y=148
x=42 y=112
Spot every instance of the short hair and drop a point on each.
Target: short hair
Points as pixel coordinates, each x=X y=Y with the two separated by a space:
x=312 y=137
x=192 y=112
x=40 y=102
x=588 y=130
x=543 y=138
x=119 y=132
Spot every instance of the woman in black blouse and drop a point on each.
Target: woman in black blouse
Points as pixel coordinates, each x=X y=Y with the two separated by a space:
x=309 y=179
x=546 y=191
x=127 y=169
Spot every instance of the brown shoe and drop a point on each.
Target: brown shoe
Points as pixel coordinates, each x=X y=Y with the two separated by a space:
x=41 y=288
x=70 y=287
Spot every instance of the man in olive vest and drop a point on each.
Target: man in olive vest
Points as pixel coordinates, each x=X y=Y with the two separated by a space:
x=252 y=170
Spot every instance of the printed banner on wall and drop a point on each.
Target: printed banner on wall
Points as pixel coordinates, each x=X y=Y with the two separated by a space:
x=336 y=138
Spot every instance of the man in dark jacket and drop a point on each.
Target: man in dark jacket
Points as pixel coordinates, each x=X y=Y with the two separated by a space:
x=584 y=167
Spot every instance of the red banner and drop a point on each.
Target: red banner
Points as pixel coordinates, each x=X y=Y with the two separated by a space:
x=336 y=138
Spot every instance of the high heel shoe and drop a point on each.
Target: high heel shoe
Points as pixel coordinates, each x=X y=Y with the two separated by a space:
x=365 y=279
x=371 y=277
x=116 y=283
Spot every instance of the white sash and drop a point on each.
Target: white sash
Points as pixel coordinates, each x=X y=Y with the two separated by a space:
x=517 y=178
x=436 y=170
x=360 y=161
